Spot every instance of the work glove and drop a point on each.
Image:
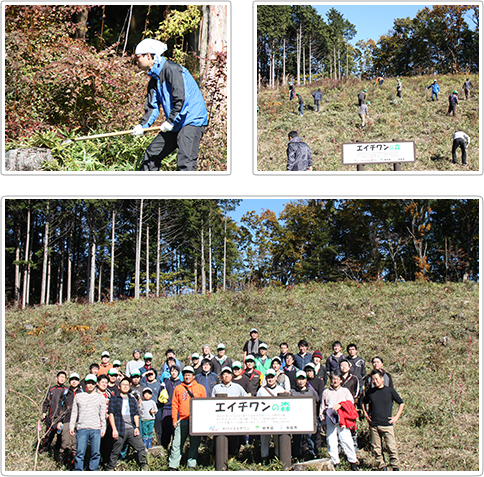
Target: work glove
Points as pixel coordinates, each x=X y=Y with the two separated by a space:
x=137 y=130
x=166 y=127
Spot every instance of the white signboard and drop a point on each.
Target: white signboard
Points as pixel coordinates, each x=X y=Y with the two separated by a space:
x=378 y=152
x=253 y=415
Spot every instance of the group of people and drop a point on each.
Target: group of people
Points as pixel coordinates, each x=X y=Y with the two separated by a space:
x=299 y=154
x=111 y=409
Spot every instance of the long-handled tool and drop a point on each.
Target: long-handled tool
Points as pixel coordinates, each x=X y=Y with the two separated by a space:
x=97 y=136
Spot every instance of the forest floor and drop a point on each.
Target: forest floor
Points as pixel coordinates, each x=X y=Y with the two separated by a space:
x=426 y=333
x=414 y=117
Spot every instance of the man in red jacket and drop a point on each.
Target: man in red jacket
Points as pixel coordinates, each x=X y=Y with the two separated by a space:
x=180 y=413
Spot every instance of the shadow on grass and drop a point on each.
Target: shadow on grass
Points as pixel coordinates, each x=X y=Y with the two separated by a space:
x=438 y=157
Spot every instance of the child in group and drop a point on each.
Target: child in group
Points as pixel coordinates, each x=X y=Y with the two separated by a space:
x=147 y=415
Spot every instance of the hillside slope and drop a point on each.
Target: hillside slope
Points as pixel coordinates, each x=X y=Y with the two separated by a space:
x=414 y=117
x=427 y=335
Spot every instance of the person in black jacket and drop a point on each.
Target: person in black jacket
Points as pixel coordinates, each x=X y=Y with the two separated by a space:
x=299 y=156
x=68 y=448
x=453 y=102
x=52 y=411
x=361 y=97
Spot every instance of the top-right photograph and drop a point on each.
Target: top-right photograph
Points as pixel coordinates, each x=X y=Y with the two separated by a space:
x=346 y=88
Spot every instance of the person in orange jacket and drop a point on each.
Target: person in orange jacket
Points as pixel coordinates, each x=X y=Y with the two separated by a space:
x=105 y=365
x=180 y=413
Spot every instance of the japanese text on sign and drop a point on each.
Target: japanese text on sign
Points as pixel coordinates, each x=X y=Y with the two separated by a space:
x=378 y=152
x=256 y=415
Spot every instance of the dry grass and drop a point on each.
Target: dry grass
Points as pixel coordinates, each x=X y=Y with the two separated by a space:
x=413 y=118
x=404 y=323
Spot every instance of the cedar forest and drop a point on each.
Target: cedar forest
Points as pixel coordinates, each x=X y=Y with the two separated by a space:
x=104 y=250
x=295 y=41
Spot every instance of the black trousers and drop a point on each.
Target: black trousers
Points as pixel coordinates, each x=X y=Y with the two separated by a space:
x=452 y=109
x=135 y=442
x=187 y=140
x=459 y=142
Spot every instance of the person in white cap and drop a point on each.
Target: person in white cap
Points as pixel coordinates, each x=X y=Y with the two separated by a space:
x=172 y=88
x=462 y=140
x=252 y=346
x=67 y=452
x=270 y=389
x=180 y=413
x=220 y=360
x=227 y=386
x=88 y=423
x=105 y=365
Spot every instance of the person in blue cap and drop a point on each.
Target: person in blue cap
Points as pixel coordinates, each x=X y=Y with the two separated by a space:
x=174 y=89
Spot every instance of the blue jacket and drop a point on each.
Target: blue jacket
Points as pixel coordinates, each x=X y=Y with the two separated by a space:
x=300 y=361
x=208 y=381
x=435 y=88
x=173 y=88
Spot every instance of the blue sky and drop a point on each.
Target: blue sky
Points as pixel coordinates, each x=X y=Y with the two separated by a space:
x=247 y=205
x=371 y=21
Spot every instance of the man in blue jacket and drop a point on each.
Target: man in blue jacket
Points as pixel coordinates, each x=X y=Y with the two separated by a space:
x=173 y=88
x=435 y=90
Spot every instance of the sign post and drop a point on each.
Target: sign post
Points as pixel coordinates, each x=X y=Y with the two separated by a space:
x=361 y=153
x=281 y=415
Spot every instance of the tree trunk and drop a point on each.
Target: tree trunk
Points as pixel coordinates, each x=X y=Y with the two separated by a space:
x=298 y=55
x=202 y=261
x=16 y=295
x=309 y=64
x=195 y=272
x=69 y=267
x=283 y=65
x=25 y=290
x=111 y=279
x=212 y=37
x=46 y=255
x=158 y=239
x=80 y=19
x=347 y=62
x=225 y=248
x=99 y=284
x=92 y=268
x=147 y=261
x=60 y=281
x=138 y=252
x=304 y=64
x=335 y=68
x=49 y=272
x=210 y=289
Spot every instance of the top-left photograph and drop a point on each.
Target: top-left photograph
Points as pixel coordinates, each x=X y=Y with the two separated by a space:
x=111 y=88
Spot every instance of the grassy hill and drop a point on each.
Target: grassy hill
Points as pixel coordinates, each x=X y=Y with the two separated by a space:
x=414 y=117
x=427 y=335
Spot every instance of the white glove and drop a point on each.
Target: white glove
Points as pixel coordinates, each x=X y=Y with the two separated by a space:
x=137 y=130
x=166 y=127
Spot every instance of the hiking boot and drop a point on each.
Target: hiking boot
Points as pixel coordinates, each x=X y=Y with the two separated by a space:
x=337 y=466
x=354 y=466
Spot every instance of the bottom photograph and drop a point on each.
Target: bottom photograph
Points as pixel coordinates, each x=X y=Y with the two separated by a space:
x=270 y=334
